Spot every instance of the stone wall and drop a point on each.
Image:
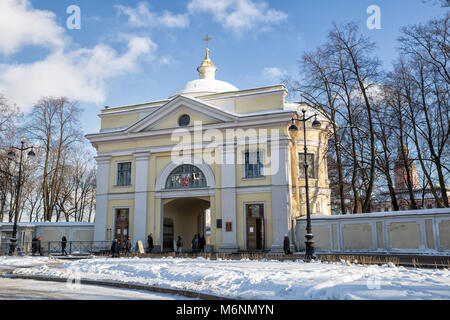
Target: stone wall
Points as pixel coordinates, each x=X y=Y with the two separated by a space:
x=419 y=231
x=48 y=231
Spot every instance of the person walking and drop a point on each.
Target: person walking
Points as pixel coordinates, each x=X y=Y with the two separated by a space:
x=180 y=244
x=128 y=246
x=202 y=243
x=150 y=243
x=34 y=245
x=286 y=245
x=118 y=248
x=63 y=245
x=113 y=248
x=39 y=246
x=195 y=244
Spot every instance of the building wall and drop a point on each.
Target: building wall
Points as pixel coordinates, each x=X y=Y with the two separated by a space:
x=232 y=190
x=420 y=231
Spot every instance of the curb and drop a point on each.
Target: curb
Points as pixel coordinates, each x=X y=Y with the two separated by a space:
x=185 y=293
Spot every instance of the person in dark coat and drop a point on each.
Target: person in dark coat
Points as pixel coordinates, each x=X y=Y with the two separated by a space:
x=179 y=244
x=34 y=245
x=128 y=245
x=113 y=248
x=286 y=244
x=202 y=243
x=118 y=247
x=63 y=245
x=149 y=243
x=195 y=244
x=39 y=246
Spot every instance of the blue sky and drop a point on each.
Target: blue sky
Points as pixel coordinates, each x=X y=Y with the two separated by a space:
x=130 y=52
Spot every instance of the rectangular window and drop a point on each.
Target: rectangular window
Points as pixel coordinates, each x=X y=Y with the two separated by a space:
x=253 y=164
x=124 y=174
x=310 y=162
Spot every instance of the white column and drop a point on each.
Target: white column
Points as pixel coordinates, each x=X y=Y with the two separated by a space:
x=229 y=239
x=140 y=197
x=101 y=197
x=281 y=193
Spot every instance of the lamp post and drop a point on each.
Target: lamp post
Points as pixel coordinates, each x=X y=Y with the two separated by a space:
x=309 y=252
x=11 y=156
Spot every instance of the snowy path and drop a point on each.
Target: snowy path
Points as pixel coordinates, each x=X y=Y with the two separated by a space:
x=245 y=279
x=19 y=289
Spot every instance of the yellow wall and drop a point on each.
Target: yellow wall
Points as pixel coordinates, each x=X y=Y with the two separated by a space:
x=253 y=104
x=404 y=235
x=112 y=175
x=172 y=122
x=119 y=121
x=241 y=200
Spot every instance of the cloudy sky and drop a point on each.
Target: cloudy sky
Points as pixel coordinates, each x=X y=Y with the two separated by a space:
x=130 y=52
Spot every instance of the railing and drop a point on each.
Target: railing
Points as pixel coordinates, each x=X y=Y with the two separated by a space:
x=55 y=247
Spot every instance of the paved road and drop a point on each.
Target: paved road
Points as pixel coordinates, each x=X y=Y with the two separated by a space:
x=20 y=289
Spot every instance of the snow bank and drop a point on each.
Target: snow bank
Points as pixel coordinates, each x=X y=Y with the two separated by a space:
x=23 y=262
x=245 y=279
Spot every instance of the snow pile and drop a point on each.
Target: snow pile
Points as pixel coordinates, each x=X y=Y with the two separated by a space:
x=24 y=262
x=246 y=279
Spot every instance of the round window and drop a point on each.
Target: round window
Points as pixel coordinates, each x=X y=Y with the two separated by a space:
x=184 y=120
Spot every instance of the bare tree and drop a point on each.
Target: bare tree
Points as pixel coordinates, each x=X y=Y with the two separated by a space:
x=54 y=125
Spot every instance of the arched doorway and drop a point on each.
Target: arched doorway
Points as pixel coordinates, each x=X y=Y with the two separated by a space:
x=185 y=189
x=184 y=217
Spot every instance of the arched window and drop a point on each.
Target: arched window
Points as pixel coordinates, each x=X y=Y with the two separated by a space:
x=186 y=176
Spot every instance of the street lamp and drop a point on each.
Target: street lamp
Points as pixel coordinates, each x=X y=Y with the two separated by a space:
x=11 y=156
x=309 y=254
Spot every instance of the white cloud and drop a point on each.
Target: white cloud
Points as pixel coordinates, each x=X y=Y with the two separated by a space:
x=141 y=16
x=274 y=73
x=239 y=15
x=79 y=74
x=167 y=60
x=21 y=25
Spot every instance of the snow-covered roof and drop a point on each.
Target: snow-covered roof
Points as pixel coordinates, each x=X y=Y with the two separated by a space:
x=206 y=86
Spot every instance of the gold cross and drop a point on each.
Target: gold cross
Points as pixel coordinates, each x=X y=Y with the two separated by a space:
x=207 y=39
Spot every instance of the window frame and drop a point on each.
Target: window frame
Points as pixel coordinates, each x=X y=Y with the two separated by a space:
x=261 y=154
x=116 y=180
x=201 y=186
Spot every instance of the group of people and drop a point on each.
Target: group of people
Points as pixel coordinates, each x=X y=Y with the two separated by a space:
x=116 y=247
x=198 y=243
x=36 y=245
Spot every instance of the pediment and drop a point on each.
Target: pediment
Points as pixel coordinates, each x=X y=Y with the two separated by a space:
x=166 y=117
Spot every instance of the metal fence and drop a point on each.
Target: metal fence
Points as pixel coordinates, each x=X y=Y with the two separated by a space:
x=56 y=248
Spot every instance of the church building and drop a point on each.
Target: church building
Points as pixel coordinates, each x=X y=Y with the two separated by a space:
x=212 y=160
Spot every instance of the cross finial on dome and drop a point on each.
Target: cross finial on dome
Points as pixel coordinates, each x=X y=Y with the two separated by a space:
x=207 y=39
x=207 y=69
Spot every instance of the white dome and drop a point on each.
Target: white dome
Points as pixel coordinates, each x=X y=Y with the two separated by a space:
x=206 y=86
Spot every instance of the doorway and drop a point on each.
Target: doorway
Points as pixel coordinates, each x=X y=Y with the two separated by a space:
x=168 y=235
x=255 y=226
x=121 y=231
x=184 y=218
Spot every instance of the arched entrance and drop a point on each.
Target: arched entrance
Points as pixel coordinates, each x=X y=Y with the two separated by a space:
x=184 y=217
x=185 y=192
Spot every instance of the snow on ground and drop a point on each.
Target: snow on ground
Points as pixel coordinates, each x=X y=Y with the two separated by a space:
x=245 y=279
x=25 y=261
x=19 y=289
